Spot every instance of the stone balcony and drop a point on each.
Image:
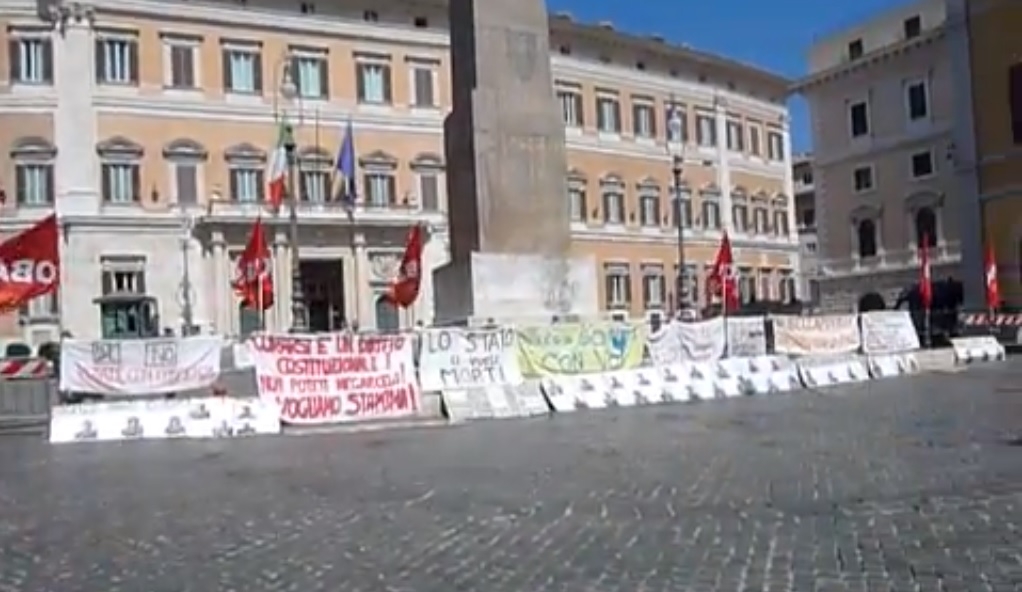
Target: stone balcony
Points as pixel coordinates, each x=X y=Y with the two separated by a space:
x=948 y=253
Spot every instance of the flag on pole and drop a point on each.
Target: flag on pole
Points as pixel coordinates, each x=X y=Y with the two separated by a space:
x=993 y=290
x=925 y=275
x=30 y=264
x=253 y=282
x=722 y=281
x=277 y=176
x=347 y=192
x=404 y=290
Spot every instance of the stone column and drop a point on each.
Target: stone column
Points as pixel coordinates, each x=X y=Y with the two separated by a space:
x=221 y=283
x=723 y=166
x=74 y=117
x=364 y=298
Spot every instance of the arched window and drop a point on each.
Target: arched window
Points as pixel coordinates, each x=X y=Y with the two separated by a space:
x=867 y=232
x=926 y=226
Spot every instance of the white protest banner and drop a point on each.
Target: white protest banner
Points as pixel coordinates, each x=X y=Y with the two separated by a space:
x=677 y=342
x=336 y=377
x=468 y=358
x=816 y=336
x=746 y=337
x=888 y=332
x=139 y=366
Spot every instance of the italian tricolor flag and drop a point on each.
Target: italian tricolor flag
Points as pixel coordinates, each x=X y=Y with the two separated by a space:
x=277 y=176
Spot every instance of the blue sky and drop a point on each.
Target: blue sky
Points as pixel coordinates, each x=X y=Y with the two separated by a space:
x=775 y=35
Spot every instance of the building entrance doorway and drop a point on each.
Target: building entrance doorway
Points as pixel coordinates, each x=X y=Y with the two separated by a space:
x=323 y=287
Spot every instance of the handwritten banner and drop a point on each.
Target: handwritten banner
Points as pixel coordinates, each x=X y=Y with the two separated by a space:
x=888 y=332
x=336 y=377
x=816 y=336
x=696 y=341
x=746 y=337
x=579 y=348
x=468 y=358
x=139 y=366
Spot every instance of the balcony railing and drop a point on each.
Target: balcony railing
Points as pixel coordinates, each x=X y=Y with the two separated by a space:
x=942 y=254
x=328 y=211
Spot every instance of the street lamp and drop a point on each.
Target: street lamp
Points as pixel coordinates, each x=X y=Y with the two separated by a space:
x=187 y=312
x=676 y=148
x=299 y=324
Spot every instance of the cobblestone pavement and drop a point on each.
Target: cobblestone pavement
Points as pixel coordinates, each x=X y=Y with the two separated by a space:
x=905 y=484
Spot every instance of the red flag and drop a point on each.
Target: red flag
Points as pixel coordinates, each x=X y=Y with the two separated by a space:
x=722 y=280
x=993 y=290
x=30 y=264
x=253 y=282
x=925 y=277
x=404 y=290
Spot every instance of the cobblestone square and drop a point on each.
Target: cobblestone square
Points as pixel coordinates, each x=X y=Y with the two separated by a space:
x=901 y=484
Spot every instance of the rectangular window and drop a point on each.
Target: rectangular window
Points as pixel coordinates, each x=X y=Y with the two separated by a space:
x=644 y=120
x=182 y=65
x=682 y=215
x=425 y=94
x=247 y=185
x=608 y=115
x=761 y=220
x=706 y=131
x=922 y=164
x=917 y=100
x=310 y=75
x=577 y=203
x=740 y=214
x=781 y=223
x=117 y=60
x=855 y=49
x=862 y=179
x=429 y=192
x=374 y=83
x=913 y=27
x=735 y=136
x=571 y=107
x=775 y=146
x=755 y=147
x=617 y=286
x=654 y=287
x=34 y=184
x=650 y=213
x=613 y=207
x=858 y=116
x=187 y=184
x=121 y=183
x=243 y=70
x=31 y=60
x=120 y=275
x=1015 y=102
x=315 y=186
x=380 y=190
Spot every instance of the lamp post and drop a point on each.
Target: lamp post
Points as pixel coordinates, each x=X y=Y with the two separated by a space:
x=676 y=147
x=299 y=323
x=187 y=312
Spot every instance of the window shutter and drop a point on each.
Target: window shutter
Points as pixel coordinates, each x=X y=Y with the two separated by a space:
x=51 y=188
x=324 y=78
x=232 y=181
x=100 y=61
x=48 y=61
x=628 y=287
x=257 y=73
x=260 y=185
x=387 y=90
x=107 y=282
x=20 y=188
x=580 y=112
x=617 y=116
x=15 y=55
x=225 y=66
x=296 y=76
x=608 y=288
x=105 y=174
x=360 y=82
x=636 y=114
x=140 y=282
x=136 y=183
x=133 y=58
x=391 y=189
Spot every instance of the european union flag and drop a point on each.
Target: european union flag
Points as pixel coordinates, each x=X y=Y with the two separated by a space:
x=347 y=193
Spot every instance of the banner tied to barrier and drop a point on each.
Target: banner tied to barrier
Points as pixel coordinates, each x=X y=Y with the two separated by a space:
x=336 y=377
x=580 y=348
x=468 y=358
x=816 y=336
x=139 y=367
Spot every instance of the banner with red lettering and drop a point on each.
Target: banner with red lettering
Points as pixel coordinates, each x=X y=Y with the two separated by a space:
x=336 y=377
x=139 y=366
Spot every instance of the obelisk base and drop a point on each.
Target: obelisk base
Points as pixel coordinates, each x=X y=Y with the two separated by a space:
x=503 y=288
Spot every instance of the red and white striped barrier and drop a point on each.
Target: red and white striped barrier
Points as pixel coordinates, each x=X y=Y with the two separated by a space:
x=24 y=368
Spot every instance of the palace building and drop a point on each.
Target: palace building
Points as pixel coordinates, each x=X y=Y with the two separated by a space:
x=148 y=126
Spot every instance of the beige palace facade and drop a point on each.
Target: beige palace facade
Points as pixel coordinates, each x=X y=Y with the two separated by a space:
x=148 y=124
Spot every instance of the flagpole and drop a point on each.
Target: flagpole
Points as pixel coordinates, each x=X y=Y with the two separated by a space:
x=723 y=309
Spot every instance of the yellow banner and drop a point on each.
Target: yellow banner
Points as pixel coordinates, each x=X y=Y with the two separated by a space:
x=580 y=348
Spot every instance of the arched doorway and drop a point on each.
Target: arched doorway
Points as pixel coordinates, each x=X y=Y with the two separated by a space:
x=926 y=227
x=867 y=233
x=871 y=301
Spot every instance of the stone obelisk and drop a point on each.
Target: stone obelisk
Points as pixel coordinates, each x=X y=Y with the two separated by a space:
x=507 y=194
